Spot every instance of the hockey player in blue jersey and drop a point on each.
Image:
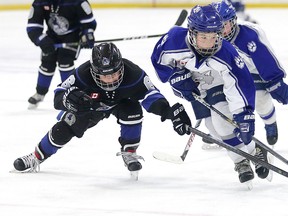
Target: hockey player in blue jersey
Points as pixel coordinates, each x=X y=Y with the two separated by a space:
x=67 y=21
x=197 y=60
x=267 y=72
x=107 y=85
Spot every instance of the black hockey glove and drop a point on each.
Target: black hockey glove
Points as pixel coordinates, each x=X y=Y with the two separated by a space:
x=87 y=39
x=180 y=119
x=76 y=100
x=47 y=45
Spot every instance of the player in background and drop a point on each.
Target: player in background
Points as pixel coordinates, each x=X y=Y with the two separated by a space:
x=67 y=21
x=266 y=70
x=241 y=11
x=196 y=59
x=106 y=85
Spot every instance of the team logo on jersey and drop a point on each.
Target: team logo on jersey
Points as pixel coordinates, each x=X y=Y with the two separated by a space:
x=58 y=24
x=252 y=46
x=239 y=62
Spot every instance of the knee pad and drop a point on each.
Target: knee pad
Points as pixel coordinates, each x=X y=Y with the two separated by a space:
x=60 y=134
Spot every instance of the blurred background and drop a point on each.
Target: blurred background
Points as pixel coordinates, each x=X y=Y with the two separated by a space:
x=25 y=4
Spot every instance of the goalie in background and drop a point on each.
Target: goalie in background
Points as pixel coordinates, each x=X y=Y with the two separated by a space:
x=195 y=60
x=67 y=21
x=106 y=85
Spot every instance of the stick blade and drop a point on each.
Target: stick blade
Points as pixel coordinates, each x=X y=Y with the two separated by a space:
x=167 y=157
x=181 y=18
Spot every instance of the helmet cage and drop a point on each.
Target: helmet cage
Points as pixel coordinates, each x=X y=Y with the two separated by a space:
x=192 y=39
x=111 y=86
x=205 y=19
x=233 y=24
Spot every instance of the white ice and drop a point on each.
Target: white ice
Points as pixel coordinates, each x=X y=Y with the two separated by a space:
x=86 y=178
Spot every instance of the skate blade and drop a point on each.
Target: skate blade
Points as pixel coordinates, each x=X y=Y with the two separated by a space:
x=270 y=176
x=249 y=184
x=32 y=106
x=270 y=158
x=134 y=175
x=211 y=146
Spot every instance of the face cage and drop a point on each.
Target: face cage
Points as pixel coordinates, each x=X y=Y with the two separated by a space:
x=233 y=24
x=192 y=35
x=108 y=86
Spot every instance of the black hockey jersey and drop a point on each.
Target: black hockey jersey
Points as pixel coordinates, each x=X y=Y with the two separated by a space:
x=65 y=20
x=136 y=86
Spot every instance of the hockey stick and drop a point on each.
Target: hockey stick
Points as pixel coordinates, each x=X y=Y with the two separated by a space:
x=173 y=158
x=277 y=155
x=239 y=152
x=179 y=22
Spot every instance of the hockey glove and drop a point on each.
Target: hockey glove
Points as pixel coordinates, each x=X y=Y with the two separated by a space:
x=76 y=100
x=180 y=119
x=278 y=90
x=183 y=85
x=47 y=45
x=87 y=39
x=246 y=126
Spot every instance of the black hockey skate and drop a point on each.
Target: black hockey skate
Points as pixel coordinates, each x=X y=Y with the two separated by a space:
x=271 y=133
x=28 y=163
x=245 y=172
x=130 y=159
x=34 y=100
x=261 y=171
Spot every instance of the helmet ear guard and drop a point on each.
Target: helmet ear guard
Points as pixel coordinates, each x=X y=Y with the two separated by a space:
x=205 y=19
x=106 y=60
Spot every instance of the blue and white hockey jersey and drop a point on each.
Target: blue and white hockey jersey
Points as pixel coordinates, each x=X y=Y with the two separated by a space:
x=253 y=46
x=224 y=73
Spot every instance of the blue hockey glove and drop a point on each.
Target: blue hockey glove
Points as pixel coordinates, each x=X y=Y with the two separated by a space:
x=246 y=123
x=76 y=100
x=183 y=85
x=180 y=119
x=46 y=44
x=87 y=39
x=278 y=90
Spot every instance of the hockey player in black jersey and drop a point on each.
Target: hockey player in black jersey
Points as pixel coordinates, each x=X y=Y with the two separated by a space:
x=67 y=21
x=106 y=85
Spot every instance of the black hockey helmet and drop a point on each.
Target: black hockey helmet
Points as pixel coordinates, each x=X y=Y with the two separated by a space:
x=106 y=62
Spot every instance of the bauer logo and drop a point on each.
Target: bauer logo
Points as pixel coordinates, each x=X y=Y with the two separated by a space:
x=180 y=78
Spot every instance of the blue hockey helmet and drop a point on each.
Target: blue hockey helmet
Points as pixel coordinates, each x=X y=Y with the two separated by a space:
x=228 y=13
x=107 y=67
x=205 y=19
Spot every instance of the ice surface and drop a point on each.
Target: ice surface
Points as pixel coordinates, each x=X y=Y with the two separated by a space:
x=86 y=178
